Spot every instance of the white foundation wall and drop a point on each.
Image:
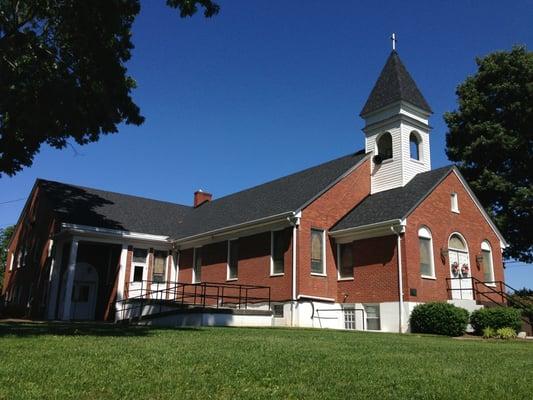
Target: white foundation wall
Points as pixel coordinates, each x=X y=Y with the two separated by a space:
x=301 y=314
x=317 y=314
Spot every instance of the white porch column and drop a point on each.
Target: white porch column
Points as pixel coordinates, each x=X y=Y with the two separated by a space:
x=53 y=281
x=122 y=273
x=71 y=269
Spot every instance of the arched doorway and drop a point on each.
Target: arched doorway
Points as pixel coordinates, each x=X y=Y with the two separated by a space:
x=461 y=282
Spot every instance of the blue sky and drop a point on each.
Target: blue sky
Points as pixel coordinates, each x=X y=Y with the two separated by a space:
x=267 y=88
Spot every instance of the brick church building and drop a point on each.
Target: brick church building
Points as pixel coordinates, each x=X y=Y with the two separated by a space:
x=354 y=243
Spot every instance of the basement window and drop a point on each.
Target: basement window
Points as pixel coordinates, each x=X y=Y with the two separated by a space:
x=349 y=318
x=277 y=310
x=373 y=322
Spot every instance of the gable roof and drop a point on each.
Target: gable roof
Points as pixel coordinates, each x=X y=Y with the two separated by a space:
x=394 y=84
x=283 y=195
x=99 y=208
x=394 y=203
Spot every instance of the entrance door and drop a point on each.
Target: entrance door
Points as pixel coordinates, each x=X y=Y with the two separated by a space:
x=83 y=300
x=461 y=282
x=84 y=292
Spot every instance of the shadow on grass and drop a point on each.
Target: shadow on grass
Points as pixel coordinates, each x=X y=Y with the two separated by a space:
x=30 y=329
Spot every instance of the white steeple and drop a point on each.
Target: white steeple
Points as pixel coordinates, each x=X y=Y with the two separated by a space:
x=396 y=127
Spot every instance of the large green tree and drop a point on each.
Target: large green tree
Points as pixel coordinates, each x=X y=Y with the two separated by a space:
x=63 y=77
x=490 y=137
x=5 y=236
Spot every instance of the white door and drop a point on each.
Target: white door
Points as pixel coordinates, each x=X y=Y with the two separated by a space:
x=461 y=282
x=84 y=292
x=83 y=300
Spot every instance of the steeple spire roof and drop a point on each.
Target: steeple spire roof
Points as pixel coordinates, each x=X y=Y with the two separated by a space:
x=394 y=84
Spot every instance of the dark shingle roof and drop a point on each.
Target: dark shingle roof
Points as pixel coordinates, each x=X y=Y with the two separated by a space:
x=394 y=84
x=102 y=209
x=276 y=197
x=98 y=208
x=394 y=203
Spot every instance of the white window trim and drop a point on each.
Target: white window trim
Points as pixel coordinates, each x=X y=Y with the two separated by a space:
x=138 y=264
x=194 y=255
x=454 y=199
x=425 y=233
x=228 y=278
x=485 y=246
x=272 y=255
x=324 y=269
x=339 y=278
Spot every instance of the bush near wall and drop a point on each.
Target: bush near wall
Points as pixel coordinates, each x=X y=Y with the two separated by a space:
x=495 y=318
x=439 y=318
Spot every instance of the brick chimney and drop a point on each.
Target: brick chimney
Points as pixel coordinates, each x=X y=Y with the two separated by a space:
x=200 y=197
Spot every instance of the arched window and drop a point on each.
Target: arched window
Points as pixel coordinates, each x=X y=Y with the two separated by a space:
x=457 y=243
x=385 y=146
x=427 y=266
x=414 y=145
x=488 y=266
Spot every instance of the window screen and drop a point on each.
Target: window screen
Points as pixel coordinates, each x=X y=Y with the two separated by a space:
x=158 y=272
x=426 y=266
x=278 y=252
x=233 y=262
x=317 y=251
x=346 y=261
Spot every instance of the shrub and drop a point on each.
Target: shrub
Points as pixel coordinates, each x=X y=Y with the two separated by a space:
x=439 y=318
x=488 y=332
x=506 y=333
x=495 y=318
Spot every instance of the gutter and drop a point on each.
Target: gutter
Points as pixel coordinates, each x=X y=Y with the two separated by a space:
x=236 y=228
x=369 y=227
x=111 y=233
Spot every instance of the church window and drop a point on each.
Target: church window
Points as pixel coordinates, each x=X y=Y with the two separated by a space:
x=455 y=202
x=385 y=146
x=414 y=145
x=427 y=266
x=488 y=267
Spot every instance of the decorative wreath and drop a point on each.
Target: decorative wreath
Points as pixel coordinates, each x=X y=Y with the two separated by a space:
x=465 y=269
x=455 y=268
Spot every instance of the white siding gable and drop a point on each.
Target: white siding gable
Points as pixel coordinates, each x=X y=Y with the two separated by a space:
x=399 y=120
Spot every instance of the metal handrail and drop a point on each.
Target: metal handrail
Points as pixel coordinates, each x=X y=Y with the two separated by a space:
x=491 y=290
x=182 y=293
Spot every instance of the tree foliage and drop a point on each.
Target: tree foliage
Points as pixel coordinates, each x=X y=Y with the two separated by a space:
x=5 y=236
x=490 y=137
x=63 y=75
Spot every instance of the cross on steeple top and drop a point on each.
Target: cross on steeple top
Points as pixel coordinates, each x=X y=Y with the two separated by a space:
x=394 y=40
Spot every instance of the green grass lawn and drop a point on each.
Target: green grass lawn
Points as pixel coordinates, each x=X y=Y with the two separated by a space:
x=41 y=361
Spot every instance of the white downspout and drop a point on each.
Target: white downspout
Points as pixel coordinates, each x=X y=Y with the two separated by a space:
x=397 y=229
x=295 y=221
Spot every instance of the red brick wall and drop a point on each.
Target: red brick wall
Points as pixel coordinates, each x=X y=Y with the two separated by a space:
x=323 y=213
x=35 y=230
x=253 y=264
x=435 y=213
x=375 y=272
